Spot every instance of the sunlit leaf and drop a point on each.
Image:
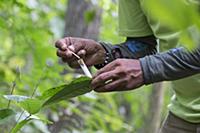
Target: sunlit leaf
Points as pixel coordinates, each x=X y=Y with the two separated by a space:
x=78 y=87
x=20 y=125
x=41 y=118
x=16 y=98
x=51 y=92
x=31 y=105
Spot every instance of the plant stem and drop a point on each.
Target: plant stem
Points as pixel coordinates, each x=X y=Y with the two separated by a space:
x=39 y=81
x=20 y=116
x=14 y=83
x=35 y=89
x=12 y=90
x=19 y=119
x=28 y=117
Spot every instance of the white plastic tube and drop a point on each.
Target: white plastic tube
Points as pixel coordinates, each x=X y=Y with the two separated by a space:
x=84 y=68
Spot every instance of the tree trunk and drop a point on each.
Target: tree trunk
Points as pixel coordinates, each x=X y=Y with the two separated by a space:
x=83 y=19
x=156 y=103
x=153 y=118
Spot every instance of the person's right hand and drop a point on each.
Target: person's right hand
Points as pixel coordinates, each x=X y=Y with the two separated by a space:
x=89 y=50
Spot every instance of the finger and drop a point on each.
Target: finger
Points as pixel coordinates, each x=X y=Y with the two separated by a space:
x=61 y=53
x=74 y=64
x=82 y=53
x=71 y=63
x=69 y=60
x=116 y=85
x=64 y=54
x=76 y=46
x=61 y=44
x=103 y=78
x=108 y=67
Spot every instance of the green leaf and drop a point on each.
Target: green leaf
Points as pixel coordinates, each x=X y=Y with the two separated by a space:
x=20 y=125
x=77 y=87
x=41 y=118
x=2 y=23
x=16 y=98
x=51 y=92
x=32 y=106
x=89 y=16
x=6 y=114
x=25 y=121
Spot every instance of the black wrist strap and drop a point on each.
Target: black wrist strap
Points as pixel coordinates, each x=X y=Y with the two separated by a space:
x=130 y=50
x=109 y=57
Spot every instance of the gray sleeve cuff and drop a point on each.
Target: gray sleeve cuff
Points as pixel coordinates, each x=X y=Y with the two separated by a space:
x=171 y=65
x=146 y=71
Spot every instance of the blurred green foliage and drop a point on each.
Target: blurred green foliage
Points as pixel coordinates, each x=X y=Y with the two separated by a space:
x=181 y=15
x=28 y=30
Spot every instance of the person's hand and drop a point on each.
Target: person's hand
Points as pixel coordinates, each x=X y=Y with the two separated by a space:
x=119 y=75
x=89 y=50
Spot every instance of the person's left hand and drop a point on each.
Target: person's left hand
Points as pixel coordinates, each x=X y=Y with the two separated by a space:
x=119 y=75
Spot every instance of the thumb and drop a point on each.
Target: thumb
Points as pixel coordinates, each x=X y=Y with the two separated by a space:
x=82 y=53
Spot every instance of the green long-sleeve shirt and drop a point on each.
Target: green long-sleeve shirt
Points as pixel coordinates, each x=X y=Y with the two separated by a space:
x=135 y=21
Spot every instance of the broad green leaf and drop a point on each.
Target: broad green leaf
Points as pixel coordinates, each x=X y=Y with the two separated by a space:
x=20 y=125
x=51 y=92
x=77 y=87
x=5 y=114
x=16 y=98
x=32 y=106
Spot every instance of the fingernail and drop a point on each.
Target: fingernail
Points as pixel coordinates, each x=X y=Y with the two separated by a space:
x=68 y=53
x=64 y=47
x=71 y=48
x=82 y=52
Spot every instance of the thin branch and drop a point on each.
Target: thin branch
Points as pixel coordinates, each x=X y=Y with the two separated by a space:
x=28 y=117
x=39 y=81
x=20 y=116
x=14 y=83
x=35 y=89
x=12 y=90
x=17 y=121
